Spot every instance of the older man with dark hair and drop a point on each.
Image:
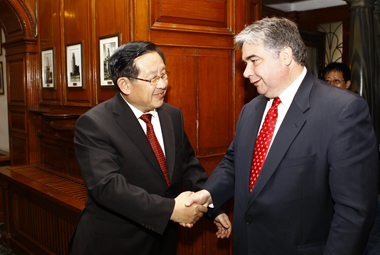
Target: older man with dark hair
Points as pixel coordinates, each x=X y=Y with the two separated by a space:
x=303 y=163
x=135 y=159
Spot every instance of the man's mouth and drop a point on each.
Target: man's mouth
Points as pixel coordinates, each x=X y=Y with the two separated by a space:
x=255 y=83
x=160 y=95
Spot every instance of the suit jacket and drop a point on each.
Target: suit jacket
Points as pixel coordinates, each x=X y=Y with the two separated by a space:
x=129 y=204
x=317 y=191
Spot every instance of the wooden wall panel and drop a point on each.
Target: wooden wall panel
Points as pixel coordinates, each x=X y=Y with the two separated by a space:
x=57 y=148
x=53 y=155
x=182 y=90
x=215 y=101
x=205 y=77
x=44 y=229
x=196 y=12
x=16 y=82
x=13 y=26
x=17 y=121
x=50 y=38
x=47 y=31
x=193 y=16
x=77 y=29
x=19 y=145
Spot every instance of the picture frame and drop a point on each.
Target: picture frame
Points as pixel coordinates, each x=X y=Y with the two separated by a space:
x=47 y=68
x=2 y=84
x=107 y=46
x=1 y=43
x=74 y=65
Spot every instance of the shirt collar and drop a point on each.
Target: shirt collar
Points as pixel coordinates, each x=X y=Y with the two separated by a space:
x=137 y=112
x=288 y=94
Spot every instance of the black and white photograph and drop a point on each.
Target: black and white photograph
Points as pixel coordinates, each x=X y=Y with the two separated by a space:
x=47 y=60
x=107 y=46
x=1 y=79
x=74 y=65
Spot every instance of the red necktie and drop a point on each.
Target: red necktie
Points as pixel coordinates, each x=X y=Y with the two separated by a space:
x=263 y=141
x=155 y=145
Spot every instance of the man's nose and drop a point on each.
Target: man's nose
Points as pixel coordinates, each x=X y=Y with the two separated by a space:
x=248 y=71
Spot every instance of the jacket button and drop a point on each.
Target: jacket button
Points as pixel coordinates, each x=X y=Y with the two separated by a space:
x=249 y=221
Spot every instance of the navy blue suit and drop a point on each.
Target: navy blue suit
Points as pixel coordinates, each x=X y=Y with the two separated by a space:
x=317 y=191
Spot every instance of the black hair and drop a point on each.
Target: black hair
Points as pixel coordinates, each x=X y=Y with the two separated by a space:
x=340 y=67
x=122 y=62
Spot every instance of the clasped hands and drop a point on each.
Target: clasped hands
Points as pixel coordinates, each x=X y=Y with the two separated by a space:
x=189 y=208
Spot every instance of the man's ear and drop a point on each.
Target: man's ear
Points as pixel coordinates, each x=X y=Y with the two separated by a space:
x=124 y=85
x=286 y=55
x=348 y=84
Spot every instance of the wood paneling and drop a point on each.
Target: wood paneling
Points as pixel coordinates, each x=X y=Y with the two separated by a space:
x=77 y=29
x=17 y=121
x=215 y=89
x=13 y=25
x=182 y=91
x=19 y=148
x=17 y=19
x=41 y=213
x=16 y=82
x=205 y=77
x=50 y=38
x=195 y=13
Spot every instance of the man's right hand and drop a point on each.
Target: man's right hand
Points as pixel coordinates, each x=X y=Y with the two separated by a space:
x=202 y=197
x=186 y=214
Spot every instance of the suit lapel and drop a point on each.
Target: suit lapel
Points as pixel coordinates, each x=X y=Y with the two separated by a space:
x=168 y=136
x=127 y=120
x=290 y=127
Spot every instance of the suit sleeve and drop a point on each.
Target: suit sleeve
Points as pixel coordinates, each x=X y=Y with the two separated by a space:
x=353 y=179
x=98 y=161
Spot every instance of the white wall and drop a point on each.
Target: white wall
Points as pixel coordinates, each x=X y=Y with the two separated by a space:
x=4 y=133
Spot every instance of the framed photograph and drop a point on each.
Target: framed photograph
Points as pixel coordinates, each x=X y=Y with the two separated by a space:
x=47 y=68
x=107 y=46
x=74 y=65
x=1 y=41
x=1 y=79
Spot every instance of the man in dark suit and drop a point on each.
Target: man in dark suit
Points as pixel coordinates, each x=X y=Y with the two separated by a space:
x=316 y=191
x=135 y=158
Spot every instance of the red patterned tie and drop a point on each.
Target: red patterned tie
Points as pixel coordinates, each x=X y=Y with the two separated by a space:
x=155 y=145
x=263 y=141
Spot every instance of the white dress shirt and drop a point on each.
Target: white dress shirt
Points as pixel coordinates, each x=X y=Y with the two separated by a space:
x=286 y=98
x=155 y=122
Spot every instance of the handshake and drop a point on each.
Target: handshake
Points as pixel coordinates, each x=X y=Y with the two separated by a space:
x=189 y=208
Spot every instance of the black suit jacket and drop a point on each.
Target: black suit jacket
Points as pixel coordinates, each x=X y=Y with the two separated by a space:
x=129 y=204
x=317 y=191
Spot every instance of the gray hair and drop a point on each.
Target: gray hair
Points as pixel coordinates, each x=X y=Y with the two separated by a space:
x=275 y=34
